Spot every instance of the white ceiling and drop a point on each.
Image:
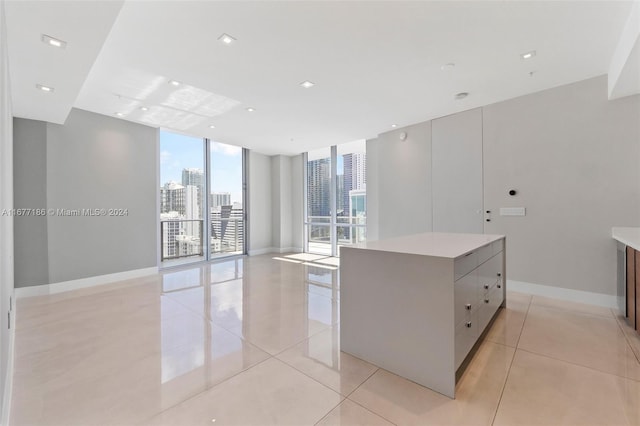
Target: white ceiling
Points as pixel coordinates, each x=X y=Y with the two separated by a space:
x=374 y=63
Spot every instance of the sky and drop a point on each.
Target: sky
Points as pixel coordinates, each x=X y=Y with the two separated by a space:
x=179 y=152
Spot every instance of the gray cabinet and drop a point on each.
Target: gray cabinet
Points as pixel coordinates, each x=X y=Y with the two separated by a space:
x=417 y=305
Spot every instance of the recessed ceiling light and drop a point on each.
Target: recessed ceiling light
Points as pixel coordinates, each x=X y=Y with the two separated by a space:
x=44 y=88
x=144 y=108
x=448 y=67
x=461 y=95
x=212 y=126
x=307 y=84
x=251 y=109
x=528 y=55
x=226 y=38
x=119 y=114
x=174 y=82
x=52 y=41
x=394 y=125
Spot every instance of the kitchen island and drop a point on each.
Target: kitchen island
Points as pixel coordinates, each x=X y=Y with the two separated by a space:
x=417 y=305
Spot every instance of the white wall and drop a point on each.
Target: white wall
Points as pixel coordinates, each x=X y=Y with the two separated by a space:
x=286 y=203
x=399 y=183
x=260 y=232
x=572 y=155
x=297 y=202
x=6 y=222
x=456 y=172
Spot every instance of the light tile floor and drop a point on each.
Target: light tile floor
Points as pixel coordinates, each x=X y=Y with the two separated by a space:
x=255 y=341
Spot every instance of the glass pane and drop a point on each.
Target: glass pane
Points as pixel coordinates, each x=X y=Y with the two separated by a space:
x=225 y=200
x=320 y=239
x=181 y=202
x=351 y=186
x=319 y=186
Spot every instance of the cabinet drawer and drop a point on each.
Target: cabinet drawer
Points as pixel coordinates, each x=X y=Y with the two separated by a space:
x=464 y=264
x=465 y=296
x=489 y=273
x=466 y=335
x=490 y=304
x=497 y=246
x=484 y=253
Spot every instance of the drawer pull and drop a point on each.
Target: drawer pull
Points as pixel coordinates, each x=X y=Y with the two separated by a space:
x=486 y=286
x=467 y=306
x=468 y=324
x=499 y=285
x=499 y=274
x=486 y=300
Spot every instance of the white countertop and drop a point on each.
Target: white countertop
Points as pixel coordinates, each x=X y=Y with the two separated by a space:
x=435 y=244
x=627 y=236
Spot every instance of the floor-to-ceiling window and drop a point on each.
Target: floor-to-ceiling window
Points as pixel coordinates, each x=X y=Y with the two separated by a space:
x=335 y=197
x=226 y=199
x=197 y=176
x=182 y=227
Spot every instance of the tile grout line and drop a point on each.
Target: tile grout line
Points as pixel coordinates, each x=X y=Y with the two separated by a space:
x=506 y=379
x=357 y=403
x=373 y=412
x=504 y=386
x=526 y=314
x=624 y=333
x=579 y=365
x=573 y=363
x=204 y=390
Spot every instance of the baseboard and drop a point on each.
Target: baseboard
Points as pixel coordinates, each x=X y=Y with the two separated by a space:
x=265 y=250
x=268 y=250
x=43 y=290
x=290 y=250
x=571 y=295
x=8 y=380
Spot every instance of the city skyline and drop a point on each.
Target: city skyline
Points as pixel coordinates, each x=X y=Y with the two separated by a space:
x=179 y=152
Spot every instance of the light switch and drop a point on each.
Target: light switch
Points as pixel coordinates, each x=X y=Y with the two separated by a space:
x=513 y=211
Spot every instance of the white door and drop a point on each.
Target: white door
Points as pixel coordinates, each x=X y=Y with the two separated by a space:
x=457 y=173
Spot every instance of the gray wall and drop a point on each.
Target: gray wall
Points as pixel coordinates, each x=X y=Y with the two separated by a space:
x=6 y=222
x=276 y=197
x=30 y=181
x=92 y=162
x=573 y=156
x=297 y=202
x=260 y=213
x=399 y=182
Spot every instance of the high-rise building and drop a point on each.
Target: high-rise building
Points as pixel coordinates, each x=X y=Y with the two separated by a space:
x=341 y=208
x=172 y=198
x=217 y=199
x=355 y=175
x=192 y=176
x=319 y=181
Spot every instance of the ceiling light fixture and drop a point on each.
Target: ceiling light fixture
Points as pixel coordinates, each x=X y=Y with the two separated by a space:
x=226 y=38
x=144 y=108
x=251 y=109
x=394 y=125
x=174 y=82
x=448 y=67
x=52 y=41
x=528 y=55
x=44 y=88
x=461 y=95
x=307 y=84
x=212 y=126
x=119 y=114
